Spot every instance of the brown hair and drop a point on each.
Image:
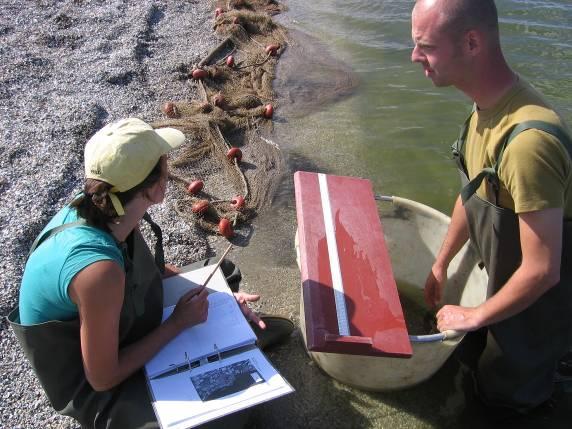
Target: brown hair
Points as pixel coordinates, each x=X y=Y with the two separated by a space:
x=95 y=206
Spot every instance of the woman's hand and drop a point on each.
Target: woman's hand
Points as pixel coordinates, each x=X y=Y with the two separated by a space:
x=243 y=299
x=98 y=291
x=170 y=271
x=192 y=308
x=434 y=286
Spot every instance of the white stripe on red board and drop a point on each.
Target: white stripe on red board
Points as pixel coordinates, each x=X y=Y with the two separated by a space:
x=337 y=283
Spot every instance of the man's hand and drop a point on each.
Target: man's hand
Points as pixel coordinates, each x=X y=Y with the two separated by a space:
x=243 y=299
x=434 y=286
x=459 y=318
x=457 y=236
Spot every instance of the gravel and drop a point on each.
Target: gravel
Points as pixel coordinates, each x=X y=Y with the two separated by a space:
x=66 y=69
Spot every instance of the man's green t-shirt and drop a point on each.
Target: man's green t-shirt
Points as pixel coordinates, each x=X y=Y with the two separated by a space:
x=53 y=265
x=536 y=169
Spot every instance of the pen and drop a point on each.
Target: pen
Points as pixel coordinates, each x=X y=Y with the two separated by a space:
x=217 y=264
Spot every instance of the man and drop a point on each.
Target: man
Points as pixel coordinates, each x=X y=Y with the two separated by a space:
x=518 y=218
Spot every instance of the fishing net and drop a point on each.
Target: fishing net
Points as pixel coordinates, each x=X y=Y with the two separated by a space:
x=224 y=127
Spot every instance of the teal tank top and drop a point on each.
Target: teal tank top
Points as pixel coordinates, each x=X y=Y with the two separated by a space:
x=52 y=266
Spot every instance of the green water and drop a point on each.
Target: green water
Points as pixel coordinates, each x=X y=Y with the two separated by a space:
x=397 y=129
x=418 y=319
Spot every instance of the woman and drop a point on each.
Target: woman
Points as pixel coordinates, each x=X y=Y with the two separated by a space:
x=90 y=306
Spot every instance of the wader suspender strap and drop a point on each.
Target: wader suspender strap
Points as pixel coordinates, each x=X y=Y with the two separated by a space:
x=459 y=144
x=159 y=255
x=43 y=237
x=491 y=173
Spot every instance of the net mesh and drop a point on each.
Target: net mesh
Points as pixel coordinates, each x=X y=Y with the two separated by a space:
x=232 y=111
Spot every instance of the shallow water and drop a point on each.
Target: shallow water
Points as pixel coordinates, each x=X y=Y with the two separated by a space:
x=418 y=319
x=397 y=128
x=394 y=128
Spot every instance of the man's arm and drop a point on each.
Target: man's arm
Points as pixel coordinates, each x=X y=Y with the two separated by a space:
x=541 y=245
x=457 y=236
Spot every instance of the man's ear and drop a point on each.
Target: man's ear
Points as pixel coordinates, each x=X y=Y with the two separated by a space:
x=473 y=42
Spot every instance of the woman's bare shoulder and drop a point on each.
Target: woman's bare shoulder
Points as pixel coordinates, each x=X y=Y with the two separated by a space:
x=103 y=280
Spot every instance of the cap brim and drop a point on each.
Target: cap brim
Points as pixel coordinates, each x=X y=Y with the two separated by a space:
x=172 y=136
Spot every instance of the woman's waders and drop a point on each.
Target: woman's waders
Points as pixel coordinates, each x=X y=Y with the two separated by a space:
x=54 y=348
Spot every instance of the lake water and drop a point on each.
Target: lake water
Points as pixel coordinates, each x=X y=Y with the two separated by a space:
x=397 y=128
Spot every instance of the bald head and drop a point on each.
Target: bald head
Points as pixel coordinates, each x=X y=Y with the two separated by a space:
x=456 y=17
x=457 y=43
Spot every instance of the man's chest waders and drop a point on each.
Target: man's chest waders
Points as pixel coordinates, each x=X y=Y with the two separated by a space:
x=54 y=350
x=516 y=368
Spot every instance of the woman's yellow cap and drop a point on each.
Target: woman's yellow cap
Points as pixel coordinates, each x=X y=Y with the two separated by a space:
x=123 y=153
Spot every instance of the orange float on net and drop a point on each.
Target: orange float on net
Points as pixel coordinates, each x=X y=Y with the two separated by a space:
x=198 y=74
x=200 y=207
x=272 y=49
x=219 y=101
x=230 y=61
x=195 y=187
x=170 y=110
x=237 y=202
x=268 y=111
x=234 y=153
x=225 y=228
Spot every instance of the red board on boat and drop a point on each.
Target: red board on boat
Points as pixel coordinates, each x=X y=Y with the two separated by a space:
x=351 y=303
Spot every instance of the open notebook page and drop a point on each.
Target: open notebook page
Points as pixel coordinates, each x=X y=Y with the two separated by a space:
x=225 y=327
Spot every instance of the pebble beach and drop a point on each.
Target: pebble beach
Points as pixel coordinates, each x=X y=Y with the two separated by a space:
x=66 y=69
